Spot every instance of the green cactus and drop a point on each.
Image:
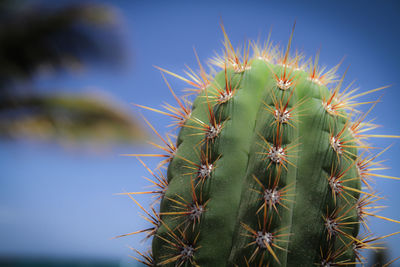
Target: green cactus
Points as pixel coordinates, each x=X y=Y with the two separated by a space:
x=267 y=167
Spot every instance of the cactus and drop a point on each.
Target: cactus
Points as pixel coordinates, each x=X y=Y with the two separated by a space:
x=267 y=168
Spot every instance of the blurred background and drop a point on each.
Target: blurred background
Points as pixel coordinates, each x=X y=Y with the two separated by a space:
x=70 y=71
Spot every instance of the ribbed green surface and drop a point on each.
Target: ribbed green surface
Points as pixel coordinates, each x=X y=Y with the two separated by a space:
x=239 y=155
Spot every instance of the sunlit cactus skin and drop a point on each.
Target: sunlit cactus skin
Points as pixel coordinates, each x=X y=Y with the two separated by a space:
x=266 y=170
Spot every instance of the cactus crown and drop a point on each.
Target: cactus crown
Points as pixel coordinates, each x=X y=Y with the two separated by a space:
x=267 y=168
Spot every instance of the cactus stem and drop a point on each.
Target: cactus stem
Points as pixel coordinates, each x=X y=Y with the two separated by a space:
x=255 y=120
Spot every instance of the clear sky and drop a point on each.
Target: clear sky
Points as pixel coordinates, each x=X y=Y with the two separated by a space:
x=59 y=202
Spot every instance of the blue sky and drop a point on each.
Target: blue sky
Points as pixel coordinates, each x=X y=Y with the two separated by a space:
x=59 y=202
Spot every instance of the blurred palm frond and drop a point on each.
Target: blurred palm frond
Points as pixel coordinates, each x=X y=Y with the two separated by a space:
x=79 y=117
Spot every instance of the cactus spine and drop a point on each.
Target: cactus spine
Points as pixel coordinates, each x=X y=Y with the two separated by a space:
x=267 y=167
